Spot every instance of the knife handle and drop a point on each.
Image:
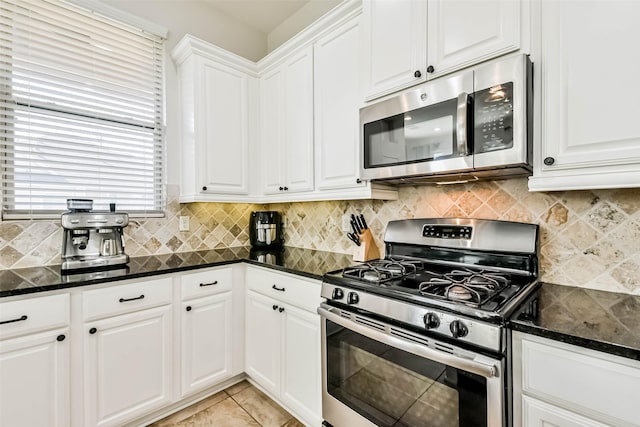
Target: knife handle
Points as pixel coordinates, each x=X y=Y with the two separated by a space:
x=363 y=223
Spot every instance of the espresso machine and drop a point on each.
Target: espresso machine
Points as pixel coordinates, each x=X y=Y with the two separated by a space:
x=92 y=239
x=265 y=229
x=266 y=237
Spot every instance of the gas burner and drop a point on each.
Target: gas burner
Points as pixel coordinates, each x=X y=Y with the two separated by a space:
x=459 y=293
x=466 y=285
x=369 y=273
x=372 y=276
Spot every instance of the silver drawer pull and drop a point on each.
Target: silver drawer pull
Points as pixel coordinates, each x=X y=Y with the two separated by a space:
x=130 y=299
x=19 y=319
x=209 y=284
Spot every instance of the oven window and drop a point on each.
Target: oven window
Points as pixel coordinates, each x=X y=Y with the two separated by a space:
x=391 y=387
x=428 y=133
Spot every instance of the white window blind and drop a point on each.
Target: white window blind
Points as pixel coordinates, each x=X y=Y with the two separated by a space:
x=80 y=111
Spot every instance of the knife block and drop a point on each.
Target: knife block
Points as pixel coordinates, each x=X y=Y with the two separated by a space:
x=367 y=249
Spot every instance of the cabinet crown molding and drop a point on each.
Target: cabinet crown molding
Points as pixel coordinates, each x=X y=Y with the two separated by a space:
x=190 y=45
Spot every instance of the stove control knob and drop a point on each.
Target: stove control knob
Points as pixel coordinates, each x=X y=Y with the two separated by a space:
x=458 y=329
x=431 y=320
x=337 y=293
x=352 y=298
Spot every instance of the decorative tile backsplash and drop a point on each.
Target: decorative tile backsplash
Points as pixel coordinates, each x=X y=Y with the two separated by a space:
x=589 y=239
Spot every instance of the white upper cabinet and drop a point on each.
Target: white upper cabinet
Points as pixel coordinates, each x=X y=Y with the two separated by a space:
x=466 y=32
x=587 y=134
x=216 y=89
x=337 y=100
x=410 y=41
x=286 y=154
x=395 y=43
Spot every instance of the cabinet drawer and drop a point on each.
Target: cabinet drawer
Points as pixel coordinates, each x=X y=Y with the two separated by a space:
x=298 y=291
x=577 y=379
x=208 y=282
x=33 y=314
x=126 y=298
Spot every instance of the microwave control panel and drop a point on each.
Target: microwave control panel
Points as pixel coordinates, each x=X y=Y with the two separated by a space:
x=447 y=231
x=493 y=116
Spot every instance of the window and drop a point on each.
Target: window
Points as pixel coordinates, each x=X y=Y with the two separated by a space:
x=80 y=111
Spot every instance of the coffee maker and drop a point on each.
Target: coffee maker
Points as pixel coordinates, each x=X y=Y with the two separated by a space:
x=265 y=229
x=92 y=239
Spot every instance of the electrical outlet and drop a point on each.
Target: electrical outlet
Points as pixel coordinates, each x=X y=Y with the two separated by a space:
x=184 y=223
x=346 y=222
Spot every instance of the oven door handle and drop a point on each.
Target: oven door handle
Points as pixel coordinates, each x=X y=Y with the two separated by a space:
x=469 y=365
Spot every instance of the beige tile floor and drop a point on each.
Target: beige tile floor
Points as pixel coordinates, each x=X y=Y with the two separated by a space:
x=237 y=406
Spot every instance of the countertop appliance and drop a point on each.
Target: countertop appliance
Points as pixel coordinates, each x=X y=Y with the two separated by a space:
x=92 y=239
x=265 y=229
x=475 y=124
x=419 y=337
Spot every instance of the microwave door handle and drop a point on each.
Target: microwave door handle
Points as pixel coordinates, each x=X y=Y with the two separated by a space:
x=461 y=125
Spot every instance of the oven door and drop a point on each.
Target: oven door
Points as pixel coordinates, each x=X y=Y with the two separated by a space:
x=375 y=374
x=422 y=131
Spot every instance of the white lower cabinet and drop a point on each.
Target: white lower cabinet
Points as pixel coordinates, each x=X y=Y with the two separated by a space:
x=34 y=362
x=301 y=364
x=283 y=341
x=127 y=353
x=536 y=413
x=128 y=366
x=208 y=330
x=263 y=339
x=558 y=384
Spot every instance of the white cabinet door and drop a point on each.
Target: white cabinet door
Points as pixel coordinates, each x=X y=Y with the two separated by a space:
x=465 y=32
x=271 y=160
x=206 y=342
x=263 y=337
x=286 y=109
x=539 y=414
x=34 y=380
x=552 y=379
x=217 y=90
x=337 y=100
x=301 y=376
x=222 y=120
x=589 y=109
x=298 y=121
x=128 y=366
x=395 y=36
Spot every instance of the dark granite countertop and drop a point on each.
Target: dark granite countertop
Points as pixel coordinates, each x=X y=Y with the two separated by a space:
x=304 y=262
x=599 y=320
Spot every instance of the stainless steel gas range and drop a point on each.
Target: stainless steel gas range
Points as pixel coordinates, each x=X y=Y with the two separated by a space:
x=419 y=338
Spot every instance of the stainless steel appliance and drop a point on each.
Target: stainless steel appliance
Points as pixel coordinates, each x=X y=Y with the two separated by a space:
x=92 y=239
x=265 y=229
x=473 y=125
x=418 y=338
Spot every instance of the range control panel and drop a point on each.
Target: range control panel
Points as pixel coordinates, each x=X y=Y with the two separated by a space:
x=447 y=231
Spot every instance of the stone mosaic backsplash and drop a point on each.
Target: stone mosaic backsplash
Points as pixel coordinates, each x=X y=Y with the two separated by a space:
x=211 y=226
x=589 y=239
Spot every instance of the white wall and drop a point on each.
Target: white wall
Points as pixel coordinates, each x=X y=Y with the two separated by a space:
x=181 y=17
x=304 y=17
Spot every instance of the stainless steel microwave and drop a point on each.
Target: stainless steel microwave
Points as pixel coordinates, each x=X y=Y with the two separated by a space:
x=475 y=124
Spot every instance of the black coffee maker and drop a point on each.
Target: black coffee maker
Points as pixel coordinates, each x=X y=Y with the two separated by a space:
x=265 y=229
